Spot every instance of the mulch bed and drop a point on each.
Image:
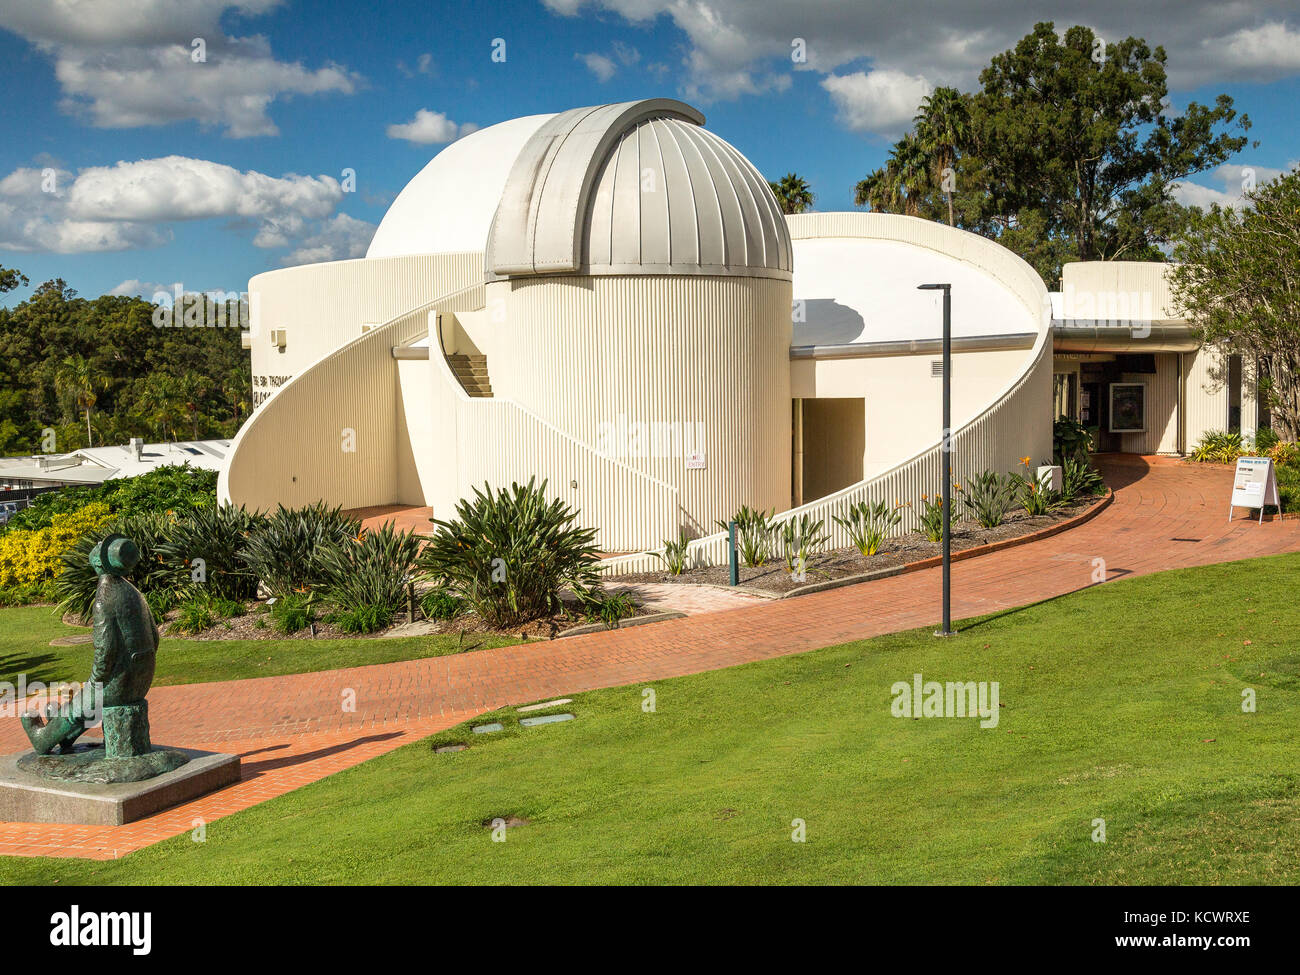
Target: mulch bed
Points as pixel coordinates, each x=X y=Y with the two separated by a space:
x=841 y=563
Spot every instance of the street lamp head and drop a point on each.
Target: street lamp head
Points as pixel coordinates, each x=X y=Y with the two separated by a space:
x=934 y=287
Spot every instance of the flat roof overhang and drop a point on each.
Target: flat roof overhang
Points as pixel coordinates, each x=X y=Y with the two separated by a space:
x=867 y=350
x=1077 y=335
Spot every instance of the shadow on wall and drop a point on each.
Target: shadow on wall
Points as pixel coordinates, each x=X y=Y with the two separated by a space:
x=826 y=322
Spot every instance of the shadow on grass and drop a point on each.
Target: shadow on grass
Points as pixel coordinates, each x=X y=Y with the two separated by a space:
x=1111 y=576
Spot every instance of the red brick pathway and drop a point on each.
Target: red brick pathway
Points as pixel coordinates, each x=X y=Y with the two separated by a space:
x=294 y=729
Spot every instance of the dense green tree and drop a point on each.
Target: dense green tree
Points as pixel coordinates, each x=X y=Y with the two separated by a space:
x=100 y=370
x=793 y=194
x=1067 y=152
x=1238 y=282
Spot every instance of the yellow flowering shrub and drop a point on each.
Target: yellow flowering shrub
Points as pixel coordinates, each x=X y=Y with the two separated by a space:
x=30 y=557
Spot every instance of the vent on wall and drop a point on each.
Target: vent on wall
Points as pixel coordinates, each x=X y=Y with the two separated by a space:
x=936 y=368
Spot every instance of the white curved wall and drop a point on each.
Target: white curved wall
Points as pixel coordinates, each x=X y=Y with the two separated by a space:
x=669 y=359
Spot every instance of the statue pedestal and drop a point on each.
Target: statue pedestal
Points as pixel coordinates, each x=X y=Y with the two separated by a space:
x=65 y=789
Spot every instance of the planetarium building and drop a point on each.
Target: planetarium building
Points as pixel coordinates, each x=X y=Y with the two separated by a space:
x=610 y=299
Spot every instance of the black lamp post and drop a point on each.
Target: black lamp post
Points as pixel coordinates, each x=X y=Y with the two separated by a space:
x=945 y=451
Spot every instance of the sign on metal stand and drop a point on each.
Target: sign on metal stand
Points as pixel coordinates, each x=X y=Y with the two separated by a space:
x=1255 y=485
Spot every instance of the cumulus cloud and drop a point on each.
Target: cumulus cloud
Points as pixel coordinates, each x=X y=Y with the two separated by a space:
x=132 y=63
x=430 y=128
x=602 y=67
x=743 y=47
x=876 y=101
x=1233 y=179
x=130 y=204
x=338 y=239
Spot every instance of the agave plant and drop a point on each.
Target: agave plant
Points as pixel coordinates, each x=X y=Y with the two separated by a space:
x=288 y=552
x=510 y=552
x=674 y=555
x=1079 y=480
x=753 y=534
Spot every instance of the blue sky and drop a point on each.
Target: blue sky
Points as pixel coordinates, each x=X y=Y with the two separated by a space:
x=233 y=164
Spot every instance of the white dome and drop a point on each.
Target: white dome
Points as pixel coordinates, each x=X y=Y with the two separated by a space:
x=448 y=207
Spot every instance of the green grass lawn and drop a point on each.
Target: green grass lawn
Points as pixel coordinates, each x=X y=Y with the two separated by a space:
x=1122 y=702
x=26 y=632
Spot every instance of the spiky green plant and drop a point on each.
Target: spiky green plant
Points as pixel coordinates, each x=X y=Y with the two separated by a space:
x=160 y=581
x=932 y=517
x=800 y=538
x=207 y=545
x=287 y=552
x=988 y=497
x=372 y=570
x=868 y=524
x=674 y=555
x=753 y=534
x=1080 y=480
x=510 y=552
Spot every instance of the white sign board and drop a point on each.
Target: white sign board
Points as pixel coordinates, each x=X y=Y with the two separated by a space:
x=695 y=460
x=1254 y=485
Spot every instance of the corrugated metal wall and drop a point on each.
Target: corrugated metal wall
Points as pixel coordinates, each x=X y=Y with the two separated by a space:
x=698 y=359
x=1018 y=423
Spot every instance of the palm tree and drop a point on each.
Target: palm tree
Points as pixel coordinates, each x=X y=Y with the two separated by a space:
x=75 y=376
x=900 y=183
x=793 y=194
x=942 y=128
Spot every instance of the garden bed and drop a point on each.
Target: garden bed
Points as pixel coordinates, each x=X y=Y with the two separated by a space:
x=256 y=624
x=843 y=563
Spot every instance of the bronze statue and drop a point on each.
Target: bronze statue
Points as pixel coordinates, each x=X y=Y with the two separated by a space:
x=126 y=644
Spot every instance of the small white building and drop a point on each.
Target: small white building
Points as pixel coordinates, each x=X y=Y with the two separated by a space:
x=95 y=465
x=609 y=298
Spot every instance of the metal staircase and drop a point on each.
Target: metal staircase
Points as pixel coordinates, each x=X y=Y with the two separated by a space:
x=472 y=373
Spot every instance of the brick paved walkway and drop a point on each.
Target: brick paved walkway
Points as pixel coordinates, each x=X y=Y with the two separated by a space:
x=293 y=729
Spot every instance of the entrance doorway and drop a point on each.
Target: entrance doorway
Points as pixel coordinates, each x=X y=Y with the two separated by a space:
x=830 y=442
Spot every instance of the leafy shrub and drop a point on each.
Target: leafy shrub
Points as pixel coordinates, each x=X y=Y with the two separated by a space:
x=869 y=524
x=1070 y=441
x=799 y=539
x=1266 y=439
x=932 y=517
x=370 y=571
x=369 y=618
x=608 y=608
x=218 y=536
x=1285 y=453
x=27 y=594
x=32 y=557
x=161 y=602
x=1080 y=480
x=1217 y=447
x=196 y=615
x=674 y=555
x=989 y=496
x=509 y=553
x=439 y=604
x=292 y=612
x=287 y=552
x=175 y=487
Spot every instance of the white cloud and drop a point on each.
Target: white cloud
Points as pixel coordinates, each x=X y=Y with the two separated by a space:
x=429 y=128
x=1235 y=180
x=602 y=67
x=337 y=240
x=147 y=289
x=131 y=63
x=130 y=204
x=876 y=101
x=743 y=47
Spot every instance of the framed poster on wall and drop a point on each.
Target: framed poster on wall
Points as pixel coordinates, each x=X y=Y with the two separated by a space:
x=1128 y=407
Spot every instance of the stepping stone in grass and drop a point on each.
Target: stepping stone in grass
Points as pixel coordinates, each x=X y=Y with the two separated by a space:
x=487 y=729
x=444 y=749
x=544 y=704
x=545 y=719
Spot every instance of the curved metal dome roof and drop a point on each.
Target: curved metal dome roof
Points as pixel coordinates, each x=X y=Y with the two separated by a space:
x=635 y=188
